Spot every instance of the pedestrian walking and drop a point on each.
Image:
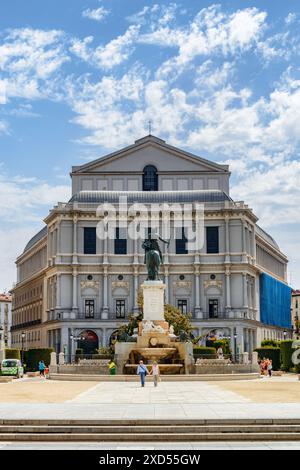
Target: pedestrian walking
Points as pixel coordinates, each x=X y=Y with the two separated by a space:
x=270 y=367
x=155 y=372
x=142 y=371
x=42 y=368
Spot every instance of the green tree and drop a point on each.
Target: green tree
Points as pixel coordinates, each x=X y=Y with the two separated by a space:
x=181 y=322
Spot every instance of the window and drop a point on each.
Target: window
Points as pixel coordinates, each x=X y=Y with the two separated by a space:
x=120 y=308
x=212 y=239
x=150 y=178
x=90 y=240
x=120 y=243
x=213 y=308
x=181 y=244
x=182 y=305
x=89 y=308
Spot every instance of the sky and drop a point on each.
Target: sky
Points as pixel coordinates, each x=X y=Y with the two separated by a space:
x=80 y=78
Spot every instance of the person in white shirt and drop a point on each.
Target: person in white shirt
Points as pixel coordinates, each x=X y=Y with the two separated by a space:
x=155 y=372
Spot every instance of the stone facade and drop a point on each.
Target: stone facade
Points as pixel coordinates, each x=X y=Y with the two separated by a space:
x=5 y=320
x=63 y=291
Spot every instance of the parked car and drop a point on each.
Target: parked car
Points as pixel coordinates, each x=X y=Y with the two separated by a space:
x=12 y=367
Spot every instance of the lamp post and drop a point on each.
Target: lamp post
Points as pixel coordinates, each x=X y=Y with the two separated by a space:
x=23 y=336
x=74 y=339
x=1 y=330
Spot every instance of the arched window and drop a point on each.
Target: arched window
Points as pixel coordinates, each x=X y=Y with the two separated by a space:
x=150 y=178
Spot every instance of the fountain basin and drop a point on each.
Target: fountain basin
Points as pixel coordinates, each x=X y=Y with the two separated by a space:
x=155 y=354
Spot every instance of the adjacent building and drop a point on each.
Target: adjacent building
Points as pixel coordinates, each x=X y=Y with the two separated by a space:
x=5 y=320
x=72 y=284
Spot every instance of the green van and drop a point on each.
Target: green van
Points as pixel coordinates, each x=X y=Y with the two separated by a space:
x=12 y=367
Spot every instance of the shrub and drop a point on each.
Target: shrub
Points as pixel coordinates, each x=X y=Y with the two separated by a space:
x=12 y=353
x=270 y=353
x=270 y=342
x=223 y=343
x=204 y=352
x=34 y=356
x=286 y=352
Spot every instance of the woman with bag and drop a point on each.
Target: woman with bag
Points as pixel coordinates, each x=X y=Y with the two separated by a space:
x=142 y=371
x=155 y=372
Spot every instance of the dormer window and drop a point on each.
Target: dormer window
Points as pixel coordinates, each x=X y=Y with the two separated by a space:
x=150 y=178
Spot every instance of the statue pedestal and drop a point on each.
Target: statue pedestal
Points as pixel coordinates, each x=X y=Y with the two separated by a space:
x=153 y=294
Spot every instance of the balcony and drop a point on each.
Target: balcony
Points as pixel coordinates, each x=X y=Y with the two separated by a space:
x=241 y=314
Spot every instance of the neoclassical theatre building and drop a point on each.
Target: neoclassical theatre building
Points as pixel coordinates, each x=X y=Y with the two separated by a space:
x=72 y=284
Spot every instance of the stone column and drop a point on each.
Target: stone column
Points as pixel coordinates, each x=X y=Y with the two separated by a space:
x=64 y=340
x=104 y=313
x=104 y=337
x=244 y=249
x=245 y=299
x=167 y=300
x=228 y=288
x=197 y=309
x=58 y=291
x=75 y=295
x=253 y=244
x=58 y=241
x=227 y=240
x=75 y=247
x=250 y=341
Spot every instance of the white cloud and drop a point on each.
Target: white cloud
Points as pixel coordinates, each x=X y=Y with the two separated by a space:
x=21 y=199
x=28 y=59
x=97 y=14
x=113 y=53
x=290 y=18
x=210 y=32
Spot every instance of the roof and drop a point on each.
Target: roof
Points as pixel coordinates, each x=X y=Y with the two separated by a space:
x=156 y=142
x=148 y=197
x=266 y=237
x=5 y=298
x=36 y=238
x=296 y=292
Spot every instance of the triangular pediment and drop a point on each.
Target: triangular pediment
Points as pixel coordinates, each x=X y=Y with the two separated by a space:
x=154 y=151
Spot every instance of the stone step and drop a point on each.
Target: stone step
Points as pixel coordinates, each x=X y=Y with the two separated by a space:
x=149 y=430
x=181 y=429
x=149 y=422
x=143 y=437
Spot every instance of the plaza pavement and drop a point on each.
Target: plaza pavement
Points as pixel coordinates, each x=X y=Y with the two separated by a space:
x=170 y=400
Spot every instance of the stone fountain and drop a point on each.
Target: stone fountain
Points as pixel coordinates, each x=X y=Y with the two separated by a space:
x=155 y=338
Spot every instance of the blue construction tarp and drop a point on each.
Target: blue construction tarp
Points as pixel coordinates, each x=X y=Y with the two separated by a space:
x=275 y=302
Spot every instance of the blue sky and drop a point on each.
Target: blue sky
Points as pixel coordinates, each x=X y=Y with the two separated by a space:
x=81 y=78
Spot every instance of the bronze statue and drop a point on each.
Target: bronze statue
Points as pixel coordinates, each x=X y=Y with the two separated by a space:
x=153 y=255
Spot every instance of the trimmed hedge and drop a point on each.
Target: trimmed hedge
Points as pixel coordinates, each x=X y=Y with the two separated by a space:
x=34 y=356
x=286 y=353
x=270 y=353
x=270 y=342
x=12 y=353
x=204 y=352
